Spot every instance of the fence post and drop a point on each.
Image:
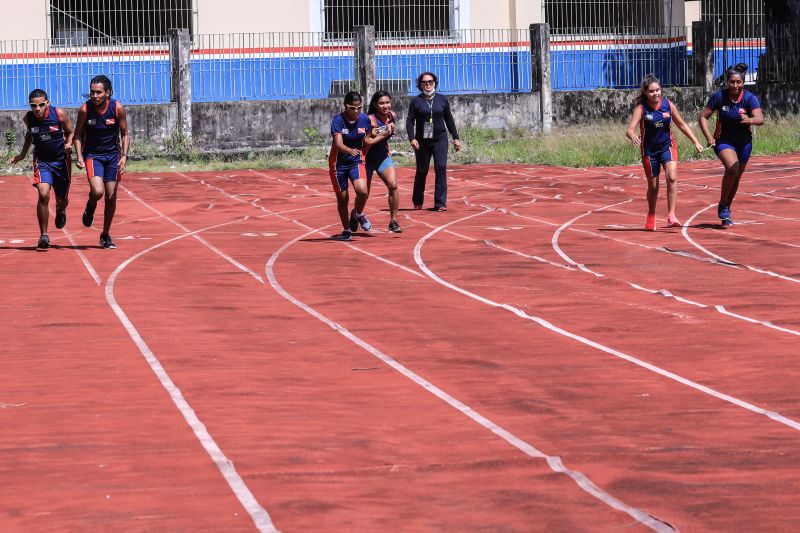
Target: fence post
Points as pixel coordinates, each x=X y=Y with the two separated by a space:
x=703 y=51
x=540 y=71
x=181 y=79
x=365 y=60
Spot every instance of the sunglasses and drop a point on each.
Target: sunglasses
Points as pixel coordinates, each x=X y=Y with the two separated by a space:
x=427 y=82
x=41 y=105
x=354 y=107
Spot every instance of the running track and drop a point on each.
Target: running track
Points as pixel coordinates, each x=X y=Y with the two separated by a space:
x=528 y=361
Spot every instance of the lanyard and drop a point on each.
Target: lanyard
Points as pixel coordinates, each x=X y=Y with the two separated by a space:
x=430 y=105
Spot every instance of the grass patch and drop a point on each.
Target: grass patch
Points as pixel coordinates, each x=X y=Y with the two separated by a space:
x=602 y=144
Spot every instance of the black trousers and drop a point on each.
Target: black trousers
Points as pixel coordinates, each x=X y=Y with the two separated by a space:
x=436 y=148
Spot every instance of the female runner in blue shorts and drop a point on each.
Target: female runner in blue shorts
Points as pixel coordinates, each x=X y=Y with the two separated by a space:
x=378 y=158
x=49 y=129
x=346 y=164
x=654 y=116
x=737 y=110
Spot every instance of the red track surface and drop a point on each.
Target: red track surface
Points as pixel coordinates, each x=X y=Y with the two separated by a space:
x=533 y=317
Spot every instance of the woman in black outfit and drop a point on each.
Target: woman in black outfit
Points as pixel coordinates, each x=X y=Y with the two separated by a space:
x=429 y=120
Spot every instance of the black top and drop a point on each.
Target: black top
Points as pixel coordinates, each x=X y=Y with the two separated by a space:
x=420 y=111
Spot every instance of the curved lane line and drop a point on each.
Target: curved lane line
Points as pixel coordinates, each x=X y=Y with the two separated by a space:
x=258 y=514
x=553 y=462
x=685 y=233
x=777 y=417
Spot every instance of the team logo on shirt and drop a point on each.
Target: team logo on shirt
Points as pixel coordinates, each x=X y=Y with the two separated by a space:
x=53 y=128
x=649 y=116
x=362 y=130
x=110 y=122
x=91 y=122
x=665 y=114
x=345 y=131
x=725 y=108
x=35 y=130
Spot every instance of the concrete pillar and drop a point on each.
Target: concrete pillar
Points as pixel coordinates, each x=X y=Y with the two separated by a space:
x=365 y=61
x=703 y=51
x=540 y=71
x=181 y=79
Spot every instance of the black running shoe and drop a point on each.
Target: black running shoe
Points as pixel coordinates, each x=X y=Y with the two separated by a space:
x=106 y=242
x=353 y=221
x=346 y=235
x=88 y=215
x=394 y=227
x=61 y=219
x=44 y=241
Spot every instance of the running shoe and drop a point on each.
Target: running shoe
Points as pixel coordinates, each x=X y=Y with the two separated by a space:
x=650 y=223
x=88 y=215
x=61 y=219
x=106 y=242
x=394 y=227
x=353 y=223
x=724 y=211
x=727 y=222
x=44 y=241
x=672 y=221
x=417 y=206
x=366 y=225
x=346 y=235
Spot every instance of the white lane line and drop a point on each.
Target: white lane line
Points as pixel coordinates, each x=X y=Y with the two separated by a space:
x=210 y=246
x=554 y=462
x=258 y=514
x=685 y=233
x=565 y=225
x=298 y=223
x=777 y=417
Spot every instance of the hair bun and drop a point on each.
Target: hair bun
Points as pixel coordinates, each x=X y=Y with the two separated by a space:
x=740 y=67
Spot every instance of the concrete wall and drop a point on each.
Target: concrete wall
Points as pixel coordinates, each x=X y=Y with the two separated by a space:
x=23 y=20
x=253 y=125
x=232 y=125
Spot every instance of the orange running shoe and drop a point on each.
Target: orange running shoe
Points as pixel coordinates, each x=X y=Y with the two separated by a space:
x=672 y=221
x=650 y=225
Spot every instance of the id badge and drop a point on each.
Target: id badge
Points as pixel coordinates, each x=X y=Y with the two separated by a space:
x=427 y=132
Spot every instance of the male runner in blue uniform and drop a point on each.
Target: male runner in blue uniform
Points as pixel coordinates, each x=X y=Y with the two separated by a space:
x=49 y=129
x=737 y=110
x=101 y=141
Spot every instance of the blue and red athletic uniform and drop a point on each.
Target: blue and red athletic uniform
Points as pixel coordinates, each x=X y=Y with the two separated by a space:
x=345 y=167
x=378 y=156
x=101 y=141
x=658 y=144
x=51 y=164
x=730 y=132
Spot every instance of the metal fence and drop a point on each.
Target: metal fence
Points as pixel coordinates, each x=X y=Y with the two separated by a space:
x=781 y=60
x=270 y=66
x=466 y=61
x=739 y=32
x=140 y=73
x=593 y=58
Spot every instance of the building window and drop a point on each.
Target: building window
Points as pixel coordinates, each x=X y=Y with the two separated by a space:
x=391 y=18
x=83 y=22
x=734 y=19
x=606 y=16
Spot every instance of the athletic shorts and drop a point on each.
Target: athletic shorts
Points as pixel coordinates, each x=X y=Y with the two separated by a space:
x=742 y=149
x=381 y=170
x=104 y=166
x=652 y=162
x=58 y=174
x=340 y=176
